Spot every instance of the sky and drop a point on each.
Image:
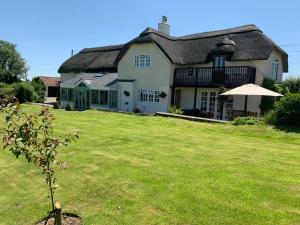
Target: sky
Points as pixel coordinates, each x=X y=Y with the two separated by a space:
x=45 y=31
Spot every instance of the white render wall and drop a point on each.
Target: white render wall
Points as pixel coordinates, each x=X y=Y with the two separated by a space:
x=157 y=77
x=187 y=99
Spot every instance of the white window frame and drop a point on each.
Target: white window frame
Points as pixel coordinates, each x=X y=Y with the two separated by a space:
x=142 y=61
x=206 y=100
x=149 y=96
x=275 y=67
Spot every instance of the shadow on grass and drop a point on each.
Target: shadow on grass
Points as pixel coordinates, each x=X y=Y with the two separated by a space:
x=294 y=129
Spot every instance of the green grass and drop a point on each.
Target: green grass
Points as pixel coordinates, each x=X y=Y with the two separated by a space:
x=129 y=169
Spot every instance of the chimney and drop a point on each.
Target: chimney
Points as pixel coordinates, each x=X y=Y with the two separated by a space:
x=163 y=26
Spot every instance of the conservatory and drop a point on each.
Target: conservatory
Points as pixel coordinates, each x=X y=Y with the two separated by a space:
x=96 y=91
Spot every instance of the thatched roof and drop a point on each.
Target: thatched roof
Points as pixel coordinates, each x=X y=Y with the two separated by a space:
x=242 y=43
x=245 y=43
x=92 y=60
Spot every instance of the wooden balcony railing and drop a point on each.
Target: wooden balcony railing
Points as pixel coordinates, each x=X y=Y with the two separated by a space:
x=232 y=76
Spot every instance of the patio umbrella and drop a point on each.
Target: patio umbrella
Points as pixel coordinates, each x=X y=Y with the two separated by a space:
x=251 y=89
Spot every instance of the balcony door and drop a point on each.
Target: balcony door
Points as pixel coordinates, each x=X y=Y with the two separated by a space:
x=218 y=69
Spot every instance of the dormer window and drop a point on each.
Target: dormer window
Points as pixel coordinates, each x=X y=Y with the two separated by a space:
x=142 y=61
x=219 y=62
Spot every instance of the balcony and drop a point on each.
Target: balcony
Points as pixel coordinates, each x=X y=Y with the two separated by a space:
x=229 y=77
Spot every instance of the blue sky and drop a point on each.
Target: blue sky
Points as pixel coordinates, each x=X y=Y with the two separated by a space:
x=45 y=31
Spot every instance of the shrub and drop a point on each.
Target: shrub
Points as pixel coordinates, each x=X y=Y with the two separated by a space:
x=174 y=109
x=287 y=110
x=56 y=105
x=267 y=102
x=25 y=92
x=39 y=89
x=69 y=107
x=136 y=110
x=292 y=84
x=246 y=121
x=268 y=118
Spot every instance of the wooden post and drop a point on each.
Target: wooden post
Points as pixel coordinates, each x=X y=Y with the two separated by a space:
x=58 y=216
x=245 y=106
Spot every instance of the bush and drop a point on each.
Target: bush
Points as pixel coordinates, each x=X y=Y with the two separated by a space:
x=25 y=92
x=292 y=85
x=56 y=105
x=268 y=118
x=267 y=102
x=69 y=107
x=246 y=121
x=39 y=89
x=173 y=109
x=287 y=110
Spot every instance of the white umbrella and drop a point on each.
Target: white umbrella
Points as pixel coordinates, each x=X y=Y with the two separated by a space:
x=251 y=89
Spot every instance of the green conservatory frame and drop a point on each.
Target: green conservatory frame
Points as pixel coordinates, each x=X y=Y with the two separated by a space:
x=83 y=97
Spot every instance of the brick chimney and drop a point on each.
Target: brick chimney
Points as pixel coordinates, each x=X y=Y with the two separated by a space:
x=163 y=26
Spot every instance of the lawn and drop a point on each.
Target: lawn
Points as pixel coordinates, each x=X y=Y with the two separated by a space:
x=129 y=169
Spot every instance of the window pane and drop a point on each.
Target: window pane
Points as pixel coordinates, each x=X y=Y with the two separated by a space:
x=113 y=99
x=144 y=95
x=70 y=94
x=142 y=61
x=203 y=106
x=148 y=61
x=136 y=61
x=103 y=97
x=64 y=93
x=95 y=97
x=156 y=96
x=212 y=101
x=151 y=96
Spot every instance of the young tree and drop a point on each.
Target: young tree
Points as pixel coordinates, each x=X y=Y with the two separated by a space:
x=31 y=136
x=12 y=66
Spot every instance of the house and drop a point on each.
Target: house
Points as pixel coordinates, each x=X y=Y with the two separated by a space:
x=51 y=85
x=156 y=70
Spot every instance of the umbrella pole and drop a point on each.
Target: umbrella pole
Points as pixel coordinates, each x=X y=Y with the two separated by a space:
x=245 y=106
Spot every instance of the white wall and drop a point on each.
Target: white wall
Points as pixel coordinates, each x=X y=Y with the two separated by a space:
x=157 y=77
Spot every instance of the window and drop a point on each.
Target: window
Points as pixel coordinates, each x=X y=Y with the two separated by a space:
x=103 y=97
x=219 y=62
x=64 y=94
x=144 y=95
x=149 y=96
x=274 y=69
x=142 y=61
x=212 y=101
x=95 y=97
x=156 y=96
x=136 y=61
x=70 y=94
x=203 y=105
x=113 y=99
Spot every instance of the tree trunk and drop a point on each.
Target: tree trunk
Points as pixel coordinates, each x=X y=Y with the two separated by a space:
x=50 y=186
x=58 y=216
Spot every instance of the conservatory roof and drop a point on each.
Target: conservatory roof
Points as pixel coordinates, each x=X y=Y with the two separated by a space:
x=92 y=80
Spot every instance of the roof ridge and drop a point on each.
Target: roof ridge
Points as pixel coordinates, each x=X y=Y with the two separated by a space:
x=208 y=34
x=103 y=48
